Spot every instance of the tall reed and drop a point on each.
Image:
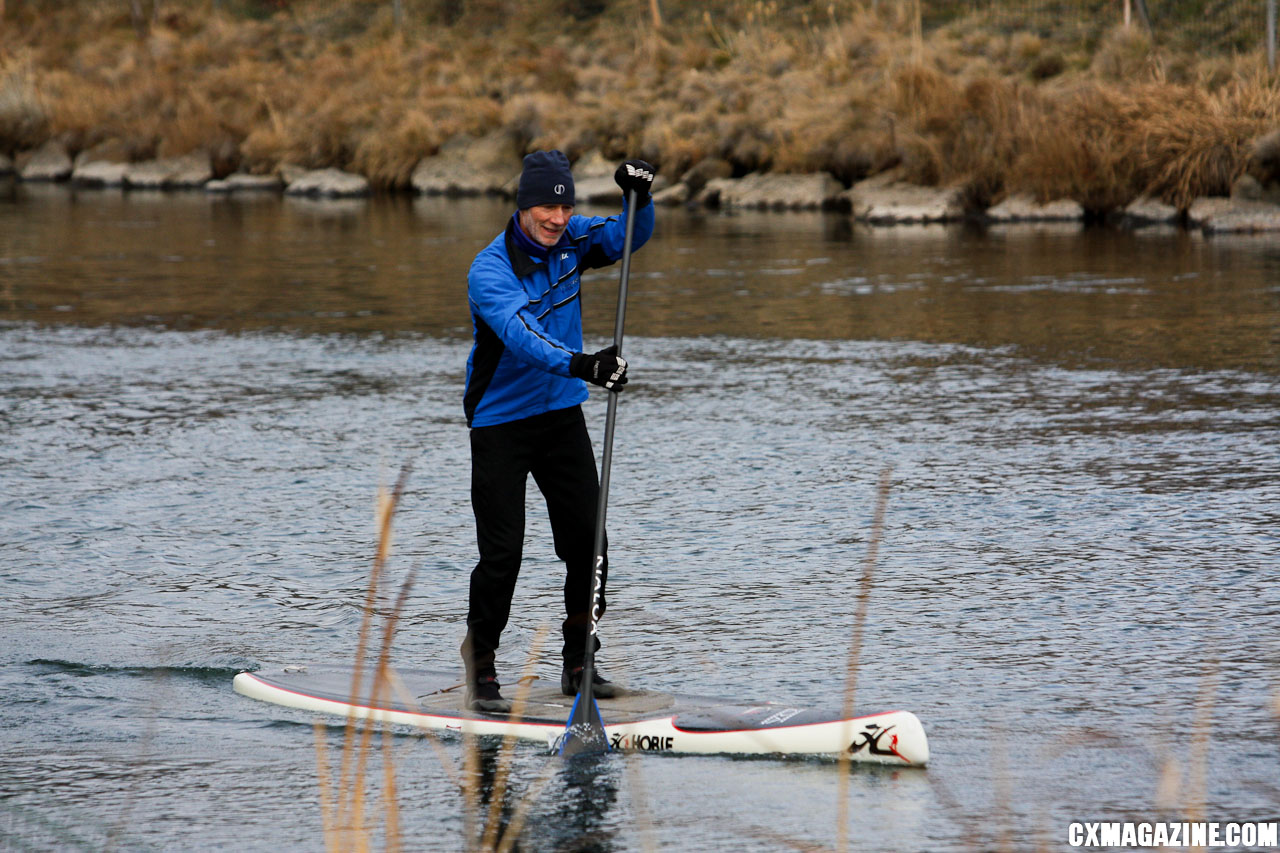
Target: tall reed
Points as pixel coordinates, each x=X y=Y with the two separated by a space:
x=347 y=822
x=855 y=655
x=343 y=800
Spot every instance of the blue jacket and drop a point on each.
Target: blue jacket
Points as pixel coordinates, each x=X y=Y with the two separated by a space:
x=527 y=318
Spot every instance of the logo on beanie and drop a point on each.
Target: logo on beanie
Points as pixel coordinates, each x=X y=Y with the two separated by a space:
x=546 y=179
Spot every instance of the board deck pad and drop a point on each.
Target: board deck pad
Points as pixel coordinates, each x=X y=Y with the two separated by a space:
x=639 y=720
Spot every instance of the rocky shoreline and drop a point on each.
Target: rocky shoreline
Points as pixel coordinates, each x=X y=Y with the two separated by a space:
x=469 y=166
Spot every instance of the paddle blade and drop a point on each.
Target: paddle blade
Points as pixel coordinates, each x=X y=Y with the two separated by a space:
x=585 y=734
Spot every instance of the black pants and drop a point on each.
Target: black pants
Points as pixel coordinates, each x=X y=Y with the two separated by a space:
x=556 y=449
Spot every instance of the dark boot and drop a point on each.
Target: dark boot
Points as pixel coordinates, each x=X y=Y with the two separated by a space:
x=483 y=695
x=571 y=678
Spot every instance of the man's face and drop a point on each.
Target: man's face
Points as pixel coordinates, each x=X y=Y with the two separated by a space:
x=544 y=223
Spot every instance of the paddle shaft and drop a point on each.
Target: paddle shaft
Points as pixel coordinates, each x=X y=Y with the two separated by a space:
x=606 y=460
x=584 y=733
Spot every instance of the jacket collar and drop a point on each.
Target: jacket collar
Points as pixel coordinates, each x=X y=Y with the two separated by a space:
x=519 y=245
x=521 y=262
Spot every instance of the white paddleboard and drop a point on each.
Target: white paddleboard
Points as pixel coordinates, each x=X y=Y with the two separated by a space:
x=641 y=720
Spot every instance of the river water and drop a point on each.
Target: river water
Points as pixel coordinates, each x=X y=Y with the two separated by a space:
x=1076 y=589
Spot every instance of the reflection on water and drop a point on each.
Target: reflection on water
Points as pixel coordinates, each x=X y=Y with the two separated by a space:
x=1060 y=293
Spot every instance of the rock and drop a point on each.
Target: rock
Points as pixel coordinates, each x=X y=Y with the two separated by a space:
x=289 y=172
x=597 y=190
x=1205 y=208
x=149 y=174
x=706 y=170
x=1264 y=160
x=254 y=183
x=885 y=200
x=330 y=183
x=49 y=162
x=1246 y=188
x=468 y=165
x=111 y=151
x=1024 y=208
x=709 y=195
x=192 y=171
x=240 y=182
x=6 y=165
x=1233 y=216
x=99 y=173
x=593 y=181
x=604 y=191
x=674 y=196
x=1150 y=211
x=185 y=172
x=774 y=191
x=1261 y=181
x=1249 y=188
x=593 y=165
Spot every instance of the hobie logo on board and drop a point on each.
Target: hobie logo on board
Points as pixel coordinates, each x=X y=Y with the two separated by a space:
x=871 y=737
x=642 y=743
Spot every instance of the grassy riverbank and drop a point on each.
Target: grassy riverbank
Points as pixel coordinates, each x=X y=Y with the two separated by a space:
x=1089 y=111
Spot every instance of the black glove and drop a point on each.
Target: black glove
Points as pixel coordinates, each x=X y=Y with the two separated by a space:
x=605 y=368
x=635 y=175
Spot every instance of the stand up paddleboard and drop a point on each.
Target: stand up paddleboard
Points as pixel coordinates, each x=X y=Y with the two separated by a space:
x=641 y=720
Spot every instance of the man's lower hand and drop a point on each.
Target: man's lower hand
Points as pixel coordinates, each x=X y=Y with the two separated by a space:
x=605 y=368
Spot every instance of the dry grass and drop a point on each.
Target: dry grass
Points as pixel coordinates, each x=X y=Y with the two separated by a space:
x=855 y=655
x=349 y=822
x=342 y=799
x=23 y=120
x=1104 y=146
x=853 y=90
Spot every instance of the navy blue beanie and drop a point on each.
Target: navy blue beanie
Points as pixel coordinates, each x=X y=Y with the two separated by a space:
x=546 y=179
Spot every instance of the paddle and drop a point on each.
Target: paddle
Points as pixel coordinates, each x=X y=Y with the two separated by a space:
x=585 y=733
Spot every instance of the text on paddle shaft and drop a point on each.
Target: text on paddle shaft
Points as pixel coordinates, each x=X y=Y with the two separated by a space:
x=595 y=596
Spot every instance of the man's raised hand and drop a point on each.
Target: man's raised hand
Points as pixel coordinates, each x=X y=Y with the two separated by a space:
x=635 y=175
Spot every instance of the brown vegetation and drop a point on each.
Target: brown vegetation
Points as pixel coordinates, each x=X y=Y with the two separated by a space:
x=848 y=88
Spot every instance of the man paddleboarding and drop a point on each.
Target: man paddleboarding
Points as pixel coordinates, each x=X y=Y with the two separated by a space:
x=526 y=382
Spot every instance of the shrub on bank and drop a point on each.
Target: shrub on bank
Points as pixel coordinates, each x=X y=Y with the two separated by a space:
x=852 y=90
